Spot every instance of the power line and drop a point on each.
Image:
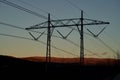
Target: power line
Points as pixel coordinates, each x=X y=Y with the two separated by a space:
x=14 y=26
x=73 y=5
x=106 y=45
x=84 y=32
x=8 y=35
x=17 y=27
x=23 y=9
x=40 y=32
x=33 y=6
x=10 y=25
x=96 y=37
x=79 y=46
x=14 y=36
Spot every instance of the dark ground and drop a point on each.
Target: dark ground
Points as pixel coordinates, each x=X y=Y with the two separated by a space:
x=11 y=67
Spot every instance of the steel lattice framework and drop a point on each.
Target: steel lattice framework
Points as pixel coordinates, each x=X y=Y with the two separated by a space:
x=76 y=22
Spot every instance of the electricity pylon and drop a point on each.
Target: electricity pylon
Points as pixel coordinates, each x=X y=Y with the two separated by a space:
x=51 y=24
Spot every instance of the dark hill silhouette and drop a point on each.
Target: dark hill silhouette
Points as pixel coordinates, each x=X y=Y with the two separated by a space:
x=88 y=61
x=94 y=68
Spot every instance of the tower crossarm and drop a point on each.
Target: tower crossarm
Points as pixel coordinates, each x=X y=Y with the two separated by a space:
x=67 y=23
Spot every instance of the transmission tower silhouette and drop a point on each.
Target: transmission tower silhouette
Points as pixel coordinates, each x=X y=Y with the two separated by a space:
x=76 y=22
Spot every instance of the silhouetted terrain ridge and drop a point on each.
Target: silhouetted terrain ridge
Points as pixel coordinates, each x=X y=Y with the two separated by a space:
x=12 y=65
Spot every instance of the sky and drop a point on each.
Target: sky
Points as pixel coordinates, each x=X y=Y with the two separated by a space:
x=107 y=45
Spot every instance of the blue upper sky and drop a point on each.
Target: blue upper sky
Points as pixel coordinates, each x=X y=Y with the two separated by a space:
x=104 y=10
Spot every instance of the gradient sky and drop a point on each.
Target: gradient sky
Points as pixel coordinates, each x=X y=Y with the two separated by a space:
x=104 y=10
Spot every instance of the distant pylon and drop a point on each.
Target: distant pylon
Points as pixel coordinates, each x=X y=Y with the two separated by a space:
x=82 y=42
x=51 y=24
